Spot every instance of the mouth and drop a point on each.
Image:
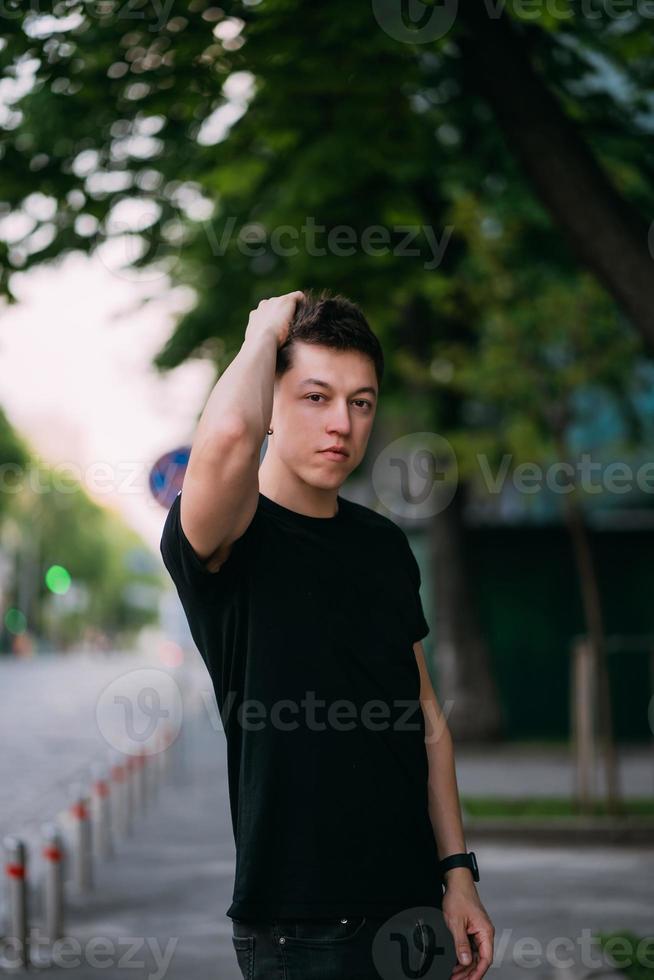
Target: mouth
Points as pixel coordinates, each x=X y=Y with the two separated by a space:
x=335 y=454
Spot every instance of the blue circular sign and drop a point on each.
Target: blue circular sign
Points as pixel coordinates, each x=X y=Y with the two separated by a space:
x=167 y=475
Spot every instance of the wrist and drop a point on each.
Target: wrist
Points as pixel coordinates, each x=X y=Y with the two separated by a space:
x=461 y=861
x=458 y=876
x=261 y=337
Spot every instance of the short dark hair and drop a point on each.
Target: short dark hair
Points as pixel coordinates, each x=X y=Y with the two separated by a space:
x=331 y=321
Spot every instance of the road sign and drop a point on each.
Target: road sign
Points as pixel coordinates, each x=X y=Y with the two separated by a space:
x=167 y=475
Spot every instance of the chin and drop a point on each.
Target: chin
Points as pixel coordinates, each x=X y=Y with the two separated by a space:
x=323 y=482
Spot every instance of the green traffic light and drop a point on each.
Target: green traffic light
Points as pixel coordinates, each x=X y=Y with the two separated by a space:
x=57 y=579
x=15 y=621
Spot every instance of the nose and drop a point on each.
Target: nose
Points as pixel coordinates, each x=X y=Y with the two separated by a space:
x=339 y=418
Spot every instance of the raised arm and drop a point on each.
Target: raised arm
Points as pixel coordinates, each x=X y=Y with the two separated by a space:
x=221 y=485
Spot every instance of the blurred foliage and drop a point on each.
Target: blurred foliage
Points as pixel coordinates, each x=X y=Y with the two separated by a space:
x=542 y=342
x=13 y=456
x=49 y=520
x=234 y=139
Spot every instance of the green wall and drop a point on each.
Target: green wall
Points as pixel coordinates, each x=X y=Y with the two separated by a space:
x=528 y=598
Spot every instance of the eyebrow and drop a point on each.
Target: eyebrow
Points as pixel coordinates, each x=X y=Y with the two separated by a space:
x=325 y=384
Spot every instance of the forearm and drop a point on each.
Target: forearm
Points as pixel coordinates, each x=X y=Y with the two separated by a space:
x=242 y=398
x=444 y=803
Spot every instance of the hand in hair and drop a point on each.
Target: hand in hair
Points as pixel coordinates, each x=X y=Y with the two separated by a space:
x=274 y=314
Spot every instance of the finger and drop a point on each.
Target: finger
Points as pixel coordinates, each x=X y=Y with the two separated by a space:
x=485 y=947
x=462 y=946
x=464 y=972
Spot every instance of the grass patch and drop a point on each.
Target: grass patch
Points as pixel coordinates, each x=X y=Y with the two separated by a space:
x=548 y=806
x=632 y=954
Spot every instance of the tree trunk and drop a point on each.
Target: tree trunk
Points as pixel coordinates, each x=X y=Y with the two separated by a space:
x=592 y=605
x=466 y=686
x=605 y=232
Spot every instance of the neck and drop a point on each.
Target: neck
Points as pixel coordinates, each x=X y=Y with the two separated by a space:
x=284 y=487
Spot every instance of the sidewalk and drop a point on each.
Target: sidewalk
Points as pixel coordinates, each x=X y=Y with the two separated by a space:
x=158 y=906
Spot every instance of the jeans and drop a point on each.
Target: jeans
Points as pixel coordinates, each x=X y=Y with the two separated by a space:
x=325 y=949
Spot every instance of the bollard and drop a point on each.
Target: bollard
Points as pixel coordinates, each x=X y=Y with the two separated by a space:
x=153 y=770
x=53 y=882
x=100 y=804
x=162 y=756
x=149 y=774
x=141 y=789
x=82 y=857
x=15 y=870
x=174 y=752
x=118 y=796
x=130 y=791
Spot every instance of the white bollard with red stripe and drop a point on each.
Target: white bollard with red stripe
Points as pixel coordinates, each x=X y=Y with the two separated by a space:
x=130 y=791
x=101 y=834
x=153 y=770
x=162 y=752
x=139 y=779
x=82 y=854
x=53 y=882
x=119 y=814
x=143 y=778
x=15 y=942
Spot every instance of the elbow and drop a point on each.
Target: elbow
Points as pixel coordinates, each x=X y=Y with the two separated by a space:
x=231 y=432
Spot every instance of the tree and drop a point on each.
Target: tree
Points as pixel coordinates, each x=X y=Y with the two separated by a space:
x=292 y=114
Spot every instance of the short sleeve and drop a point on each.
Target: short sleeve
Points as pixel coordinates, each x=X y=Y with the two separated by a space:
x=419 y=624
x=187 y=570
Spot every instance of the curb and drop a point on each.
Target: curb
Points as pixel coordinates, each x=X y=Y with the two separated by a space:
x=562 y=830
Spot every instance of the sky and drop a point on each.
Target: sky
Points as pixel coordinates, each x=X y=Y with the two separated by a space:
x=76 y=378
x=75 y=356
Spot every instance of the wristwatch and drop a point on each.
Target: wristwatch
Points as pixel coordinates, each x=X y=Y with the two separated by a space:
x=462 y=860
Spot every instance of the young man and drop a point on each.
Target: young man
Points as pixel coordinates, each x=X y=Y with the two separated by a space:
x=306 y=610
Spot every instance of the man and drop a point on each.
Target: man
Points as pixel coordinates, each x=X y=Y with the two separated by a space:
x=306 y=610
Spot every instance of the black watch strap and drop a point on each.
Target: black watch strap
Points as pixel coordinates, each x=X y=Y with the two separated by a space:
x=462 y=860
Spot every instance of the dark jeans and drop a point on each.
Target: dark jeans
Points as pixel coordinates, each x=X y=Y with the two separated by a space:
x=323 y=949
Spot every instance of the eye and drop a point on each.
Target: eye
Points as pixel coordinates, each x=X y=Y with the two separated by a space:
x=315 y=395
x=364 y=401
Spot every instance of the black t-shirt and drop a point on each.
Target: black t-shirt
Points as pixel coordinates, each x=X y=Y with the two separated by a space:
x=307 y=631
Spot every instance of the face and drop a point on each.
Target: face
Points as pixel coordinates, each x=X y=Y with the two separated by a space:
x=327 y=398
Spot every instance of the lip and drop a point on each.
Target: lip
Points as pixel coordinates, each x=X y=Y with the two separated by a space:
x=331 y=454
